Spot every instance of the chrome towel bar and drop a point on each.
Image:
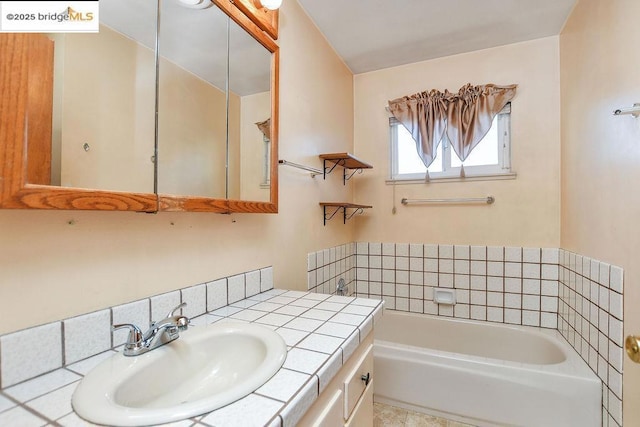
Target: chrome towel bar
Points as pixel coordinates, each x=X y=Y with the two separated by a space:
x=313 y=171
x=488 y=200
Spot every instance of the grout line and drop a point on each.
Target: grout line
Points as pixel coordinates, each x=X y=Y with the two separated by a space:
x=63 y=356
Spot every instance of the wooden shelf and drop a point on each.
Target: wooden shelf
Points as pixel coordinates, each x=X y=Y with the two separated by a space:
x=346 y=160
x=344 y=206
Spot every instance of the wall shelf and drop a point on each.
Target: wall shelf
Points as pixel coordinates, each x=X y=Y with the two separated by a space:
x=327 y=206
x=346 y=160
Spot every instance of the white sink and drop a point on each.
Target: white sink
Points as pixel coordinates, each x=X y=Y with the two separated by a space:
x=206 y=368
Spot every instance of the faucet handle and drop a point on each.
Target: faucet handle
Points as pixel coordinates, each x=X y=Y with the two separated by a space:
x=172 y=312
x=135 y=334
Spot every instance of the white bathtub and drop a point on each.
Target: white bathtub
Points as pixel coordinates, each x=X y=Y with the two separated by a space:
x=483 y=373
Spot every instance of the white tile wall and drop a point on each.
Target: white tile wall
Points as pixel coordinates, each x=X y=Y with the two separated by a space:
x=497 y=284
x=162 y=304
x=590 y=319
x=326 y=267
x=216 y=294
x=196 y=299
x=136 y=312
x=235 y=288
x=18 y=359
x=86 y=335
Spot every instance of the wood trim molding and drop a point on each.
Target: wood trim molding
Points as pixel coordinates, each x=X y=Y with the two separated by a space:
x=265 y=19
x=18 y=100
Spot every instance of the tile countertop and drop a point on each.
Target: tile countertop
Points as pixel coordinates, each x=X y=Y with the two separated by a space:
x=321 y=332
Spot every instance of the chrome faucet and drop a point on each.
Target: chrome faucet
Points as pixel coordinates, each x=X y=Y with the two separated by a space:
x=158 y=334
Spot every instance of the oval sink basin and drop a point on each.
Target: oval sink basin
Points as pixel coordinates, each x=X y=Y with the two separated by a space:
x=206 y=368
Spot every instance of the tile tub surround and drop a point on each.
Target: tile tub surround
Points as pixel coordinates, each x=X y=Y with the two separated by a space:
x=321 y=333
x=492 y=283
x=547 y=287
x=591 y=319
x=326 y=267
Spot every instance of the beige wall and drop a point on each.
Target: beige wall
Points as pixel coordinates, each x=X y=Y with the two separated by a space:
x=253 y=109
x=527 y=209
x=601 y=153
x=107 y=102
x=51 y=269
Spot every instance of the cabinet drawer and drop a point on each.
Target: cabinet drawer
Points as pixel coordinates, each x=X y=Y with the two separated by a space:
x=362 y=415
x=331 y=415
x=354 y=384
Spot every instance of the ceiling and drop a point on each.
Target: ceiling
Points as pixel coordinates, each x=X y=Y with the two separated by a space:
x=375 y=34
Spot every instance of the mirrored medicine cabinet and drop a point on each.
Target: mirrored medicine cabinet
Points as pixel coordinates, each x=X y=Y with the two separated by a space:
x=167 y=108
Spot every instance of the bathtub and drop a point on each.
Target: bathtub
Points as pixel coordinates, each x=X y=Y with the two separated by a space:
x=481 y=373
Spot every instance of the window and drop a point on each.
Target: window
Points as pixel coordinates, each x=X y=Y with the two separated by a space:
x=492 y=156
x=266 y=163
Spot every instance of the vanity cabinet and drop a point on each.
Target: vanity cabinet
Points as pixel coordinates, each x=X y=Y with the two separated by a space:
x=348 y=399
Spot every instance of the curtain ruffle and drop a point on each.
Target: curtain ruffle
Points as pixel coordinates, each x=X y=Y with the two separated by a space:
x=465 y=116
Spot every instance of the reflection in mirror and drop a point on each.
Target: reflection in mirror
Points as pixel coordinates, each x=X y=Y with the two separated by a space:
x=192 y=110
x=249 y=139
x=103 y=103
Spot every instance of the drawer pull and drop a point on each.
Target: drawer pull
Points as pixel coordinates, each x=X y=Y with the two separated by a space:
x=366 y=379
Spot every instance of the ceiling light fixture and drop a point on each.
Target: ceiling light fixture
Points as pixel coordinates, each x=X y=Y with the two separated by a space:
x=195 y=4
x=271 y=4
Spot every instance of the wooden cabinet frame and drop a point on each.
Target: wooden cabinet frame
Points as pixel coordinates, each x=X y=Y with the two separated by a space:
x=26 y=79
x=25 y=112
x=266 y=20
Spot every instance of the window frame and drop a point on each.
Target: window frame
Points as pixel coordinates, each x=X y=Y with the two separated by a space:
x=501 y=170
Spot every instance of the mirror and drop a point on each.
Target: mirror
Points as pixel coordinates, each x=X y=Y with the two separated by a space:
x=201 y=168
x=209 y=141
x=103 y=103
x=192 y=109
x=205 y=152
x=250 y=136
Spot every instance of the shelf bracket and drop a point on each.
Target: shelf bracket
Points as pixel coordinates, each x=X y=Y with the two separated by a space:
x=328 y=218
x=327 y=170
x=347 y=178
x=358 y=211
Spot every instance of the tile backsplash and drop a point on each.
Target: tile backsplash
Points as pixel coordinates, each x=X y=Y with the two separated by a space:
x=546 y=287
x=498 y=284
x=36 y=351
